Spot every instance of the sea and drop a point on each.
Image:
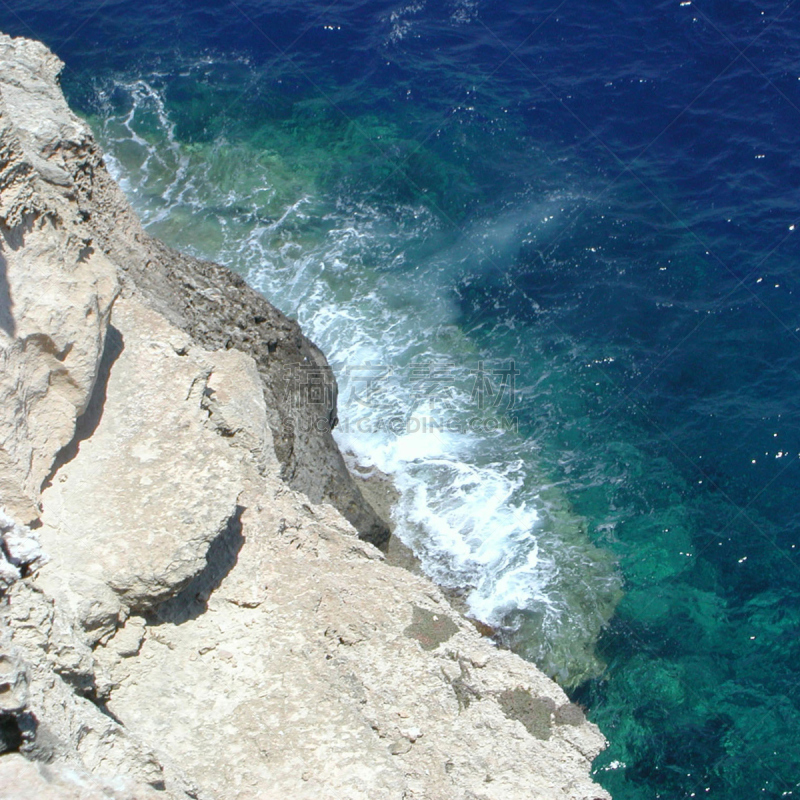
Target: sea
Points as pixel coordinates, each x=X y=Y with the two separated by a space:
x=551 y=252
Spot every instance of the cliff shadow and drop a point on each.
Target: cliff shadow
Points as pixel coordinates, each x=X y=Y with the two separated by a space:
x=7 y=322
x=221 y=558
x=87 y=423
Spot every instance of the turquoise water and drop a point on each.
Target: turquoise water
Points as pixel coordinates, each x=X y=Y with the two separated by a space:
x=601 y=199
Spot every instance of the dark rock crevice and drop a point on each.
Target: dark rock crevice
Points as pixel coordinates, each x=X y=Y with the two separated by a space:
x=221 y=558
x=7 y=322
x=87 y=423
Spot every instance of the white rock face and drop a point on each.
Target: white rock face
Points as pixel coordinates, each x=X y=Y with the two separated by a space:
x=129 y=519
x=201 y=629
x=20 y=551
x=24 y=780
x=56 y=291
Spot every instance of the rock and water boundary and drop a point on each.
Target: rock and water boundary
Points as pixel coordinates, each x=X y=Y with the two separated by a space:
x=195 y=600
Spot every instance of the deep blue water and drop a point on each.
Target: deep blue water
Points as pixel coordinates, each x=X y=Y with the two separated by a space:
x=604 y=193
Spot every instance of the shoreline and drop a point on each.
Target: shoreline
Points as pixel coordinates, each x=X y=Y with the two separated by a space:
x=184 y=613
x=380 y=492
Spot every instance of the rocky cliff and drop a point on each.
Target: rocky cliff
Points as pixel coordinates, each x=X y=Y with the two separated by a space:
x=192 y=603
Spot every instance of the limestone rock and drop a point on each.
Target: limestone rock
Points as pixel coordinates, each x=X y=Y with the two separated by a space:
x=235 y=402
x=9 y=574
x=351 y=679
x=57 y=725
x=21 y=779
x=20 y=551
x=56 y=290
x=129 y=519
x=14 y=677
